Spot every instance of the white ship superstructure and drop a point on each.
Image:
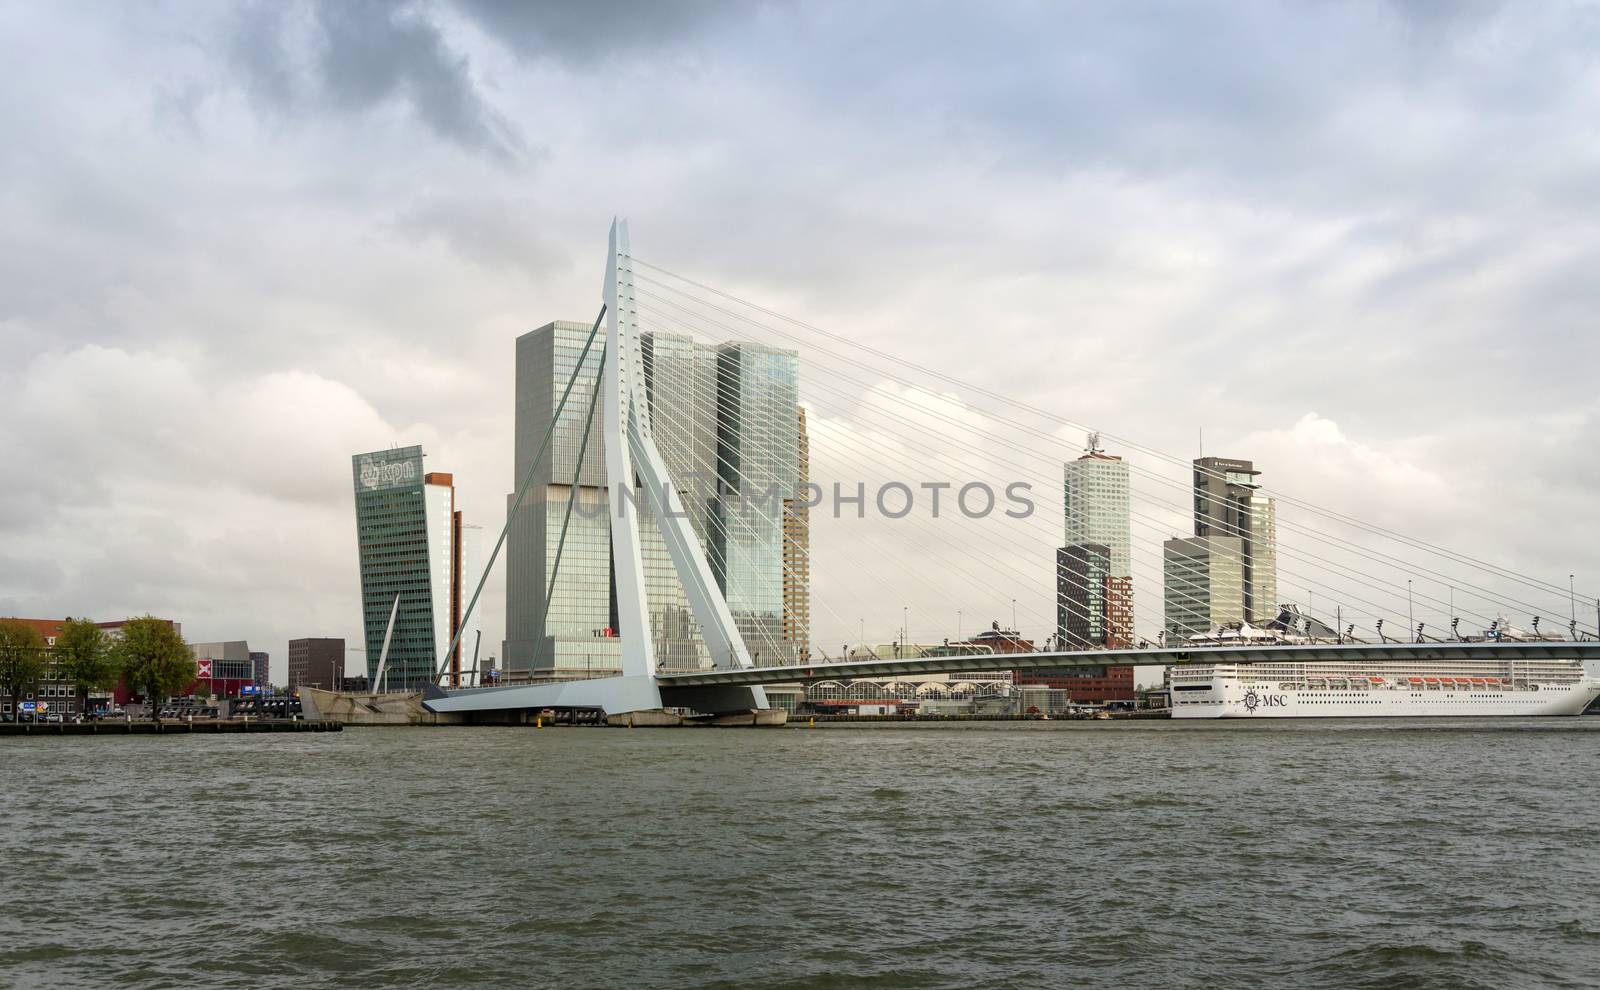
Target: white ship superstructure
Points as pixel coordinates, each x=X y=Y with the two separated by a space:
x=1363 y=689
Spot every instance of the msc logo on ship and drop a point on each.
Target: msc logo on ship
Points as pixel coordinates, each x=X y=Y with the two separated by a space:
x=1252 y=701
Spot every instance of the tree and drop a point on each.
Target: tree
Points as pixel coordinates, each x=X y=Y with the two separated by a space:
x=153 y=658
x=22 y=659
x=84 y=654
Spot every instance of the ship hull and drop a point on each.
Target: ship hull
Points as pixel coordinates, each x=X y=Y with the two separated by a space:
x=1229 y=697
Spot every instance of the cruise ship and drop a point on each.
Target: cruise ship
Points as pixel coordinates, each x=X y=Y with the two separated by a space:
x=1356 y=689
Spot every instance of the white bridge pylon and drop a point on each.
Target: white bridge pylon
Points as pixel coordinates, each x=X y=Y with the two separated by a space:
x=631 y=454
x=632 y=459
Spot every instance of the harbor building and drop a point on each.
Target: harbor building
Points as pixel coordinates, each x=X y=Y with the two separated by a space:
x=316 y=663
x=726 y=420
x=260 y=667
x=409 y=536
x=55 y=691
x=222 y=669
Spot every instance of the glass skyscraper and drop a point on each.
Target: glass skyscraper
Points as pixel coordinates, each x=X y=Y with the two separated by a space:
x=1095 y=504
x=719 y=415
x=1228 y=571
x=1226 y=504
x=1203 y=585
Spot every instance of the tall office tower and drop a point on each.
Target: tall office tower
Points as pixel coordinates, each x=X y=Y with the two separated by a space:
x=1203 y=580
x=407 y=535
x=711 y=411
x=1095 y=499
x=758 y=438
x=797 y=554
x=571 y=632
x=1226 y=504
x=1094 y=571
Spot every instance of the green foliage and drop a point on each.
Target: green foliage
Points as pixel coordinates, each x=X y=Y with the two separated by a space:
x=154 y=659
x=23 y=658
x=83 y=652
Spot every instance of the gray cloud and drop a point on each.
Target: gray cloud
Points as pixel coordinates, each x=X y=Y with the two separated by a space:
x=356 y=56
x=579 y=32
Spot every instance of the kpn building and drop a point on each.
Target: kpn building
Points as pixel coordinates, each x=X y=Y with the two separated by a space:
x=726 y=419
x=417 y=559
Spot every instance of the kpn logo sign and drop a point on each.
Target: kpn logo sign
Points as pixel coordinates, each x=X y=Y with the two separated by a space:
x=389 y=468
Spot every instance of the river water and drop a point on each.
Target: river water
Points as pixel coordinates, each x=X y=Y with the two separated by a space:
x=1319 y=854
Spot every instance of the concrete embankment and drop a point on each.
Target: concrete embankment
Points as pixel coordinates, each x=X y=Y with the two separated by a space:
x=933 y=721
x=368 y=708
x=144 y=727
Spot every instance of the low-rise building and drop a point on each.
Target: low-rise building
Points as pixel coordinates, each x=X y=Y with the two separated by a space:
x=56 y=692
x=259 y=667
x=316 y=663
x=1084 y=685
x=222 y=669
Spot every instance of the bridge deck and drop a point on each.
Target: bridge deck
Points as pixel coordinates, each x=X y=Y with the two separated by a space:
x=1440 y=653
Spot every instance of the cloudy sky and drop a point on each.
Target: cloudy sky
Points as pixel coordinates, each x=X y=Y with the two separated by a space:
x=1356 y=242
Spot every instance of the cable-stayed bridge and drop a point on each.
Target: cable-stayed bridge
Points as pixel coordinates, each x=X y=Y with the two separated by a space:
x=911 y=422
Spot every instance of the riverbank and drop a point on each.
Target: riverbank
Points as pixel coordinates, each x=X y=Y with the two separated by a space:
x=164 y=727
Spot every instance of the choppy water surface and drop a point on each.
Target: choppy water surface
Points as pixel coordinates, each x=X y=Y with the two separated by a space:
x=1332 y=854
